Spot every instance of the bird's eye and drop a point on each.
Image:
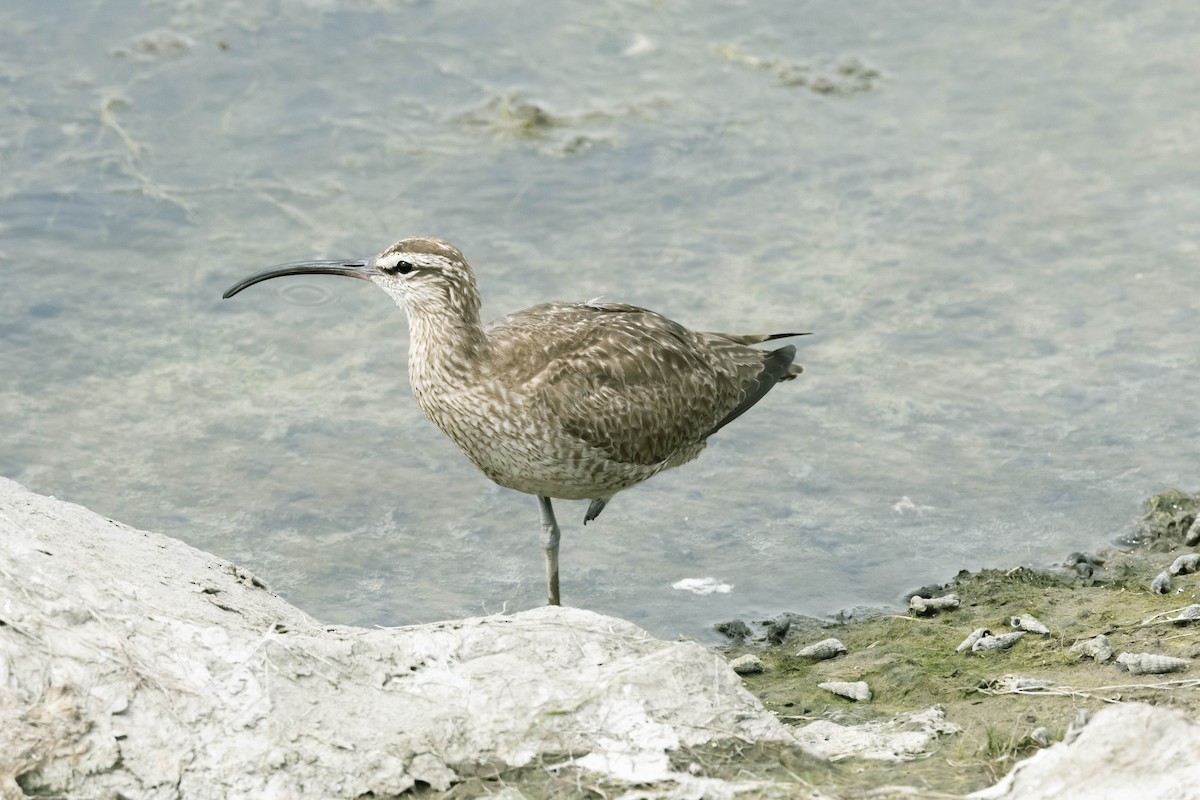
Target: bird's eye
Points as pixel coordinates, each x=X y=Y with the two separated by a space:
x=401 y=267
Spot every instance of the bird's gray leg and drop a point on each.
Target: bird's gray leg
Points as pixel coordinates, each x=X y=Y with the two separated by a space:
x=550 y=537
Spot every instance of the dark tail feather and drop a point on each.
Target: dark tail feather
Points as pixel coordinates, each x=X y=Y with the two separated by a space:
x=777 y=366
x=759 y=338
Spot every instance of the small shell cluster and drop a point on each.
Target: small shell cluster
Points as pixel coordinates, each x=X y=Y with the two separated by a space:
x=1151 y=663
x=975 y=636
x=1161 y=583
x=931 y=605
x=748 y=664
x=1027 y=623
x=982 y=639
x=857 y=691
x=1001 y=642
x=1184 y=564
x=826 y=648
x=1096 y=648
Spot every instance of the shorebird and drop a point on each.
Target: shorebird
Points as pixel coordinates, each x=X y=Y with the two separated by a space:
x=562 y=400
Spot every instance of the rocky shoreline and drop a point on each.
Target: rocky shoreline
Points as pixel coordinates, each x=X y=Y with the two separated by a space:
x=134 y=665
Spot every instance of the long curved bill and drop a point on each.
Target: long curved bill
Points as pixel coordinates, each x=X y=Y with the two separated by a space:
x=351 y=269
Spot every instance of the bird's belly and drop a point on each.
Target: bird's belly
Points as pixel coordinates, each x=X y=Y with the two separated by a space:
x=530 y=454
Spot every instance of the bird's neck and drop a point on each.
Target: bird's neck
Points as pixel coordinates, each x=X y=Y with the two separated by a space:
x=447 y=351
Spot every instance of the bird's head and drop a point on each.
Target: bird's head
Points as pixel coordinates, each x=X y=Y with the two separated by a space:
x=426 y=277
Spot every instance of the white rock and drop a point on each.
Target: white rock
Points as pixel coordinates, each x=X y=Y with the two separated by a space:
x=1127 y=750
x=130 y=662
x=903 y=738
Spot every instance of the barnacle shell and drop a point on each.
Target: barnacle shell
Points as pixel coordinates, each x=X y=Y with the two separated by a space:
x=1151 y=663
x=1184 y=564
x=1040 y=736
x=928 y=605
x=826 y=648
x=1097 y=648
x=855 y=691
x=1027 y=623
x=975 y=636
x=1161 y=583
x=1002 y=642
x=748 y=664
x=1189 y=614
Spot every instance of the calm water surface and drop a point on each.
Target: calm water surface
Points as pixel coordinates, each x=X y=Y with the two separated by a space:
x=988 y=213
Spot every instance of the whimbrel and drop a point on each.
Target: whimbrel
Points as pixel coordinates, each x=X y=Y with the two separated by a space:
x=570 y=400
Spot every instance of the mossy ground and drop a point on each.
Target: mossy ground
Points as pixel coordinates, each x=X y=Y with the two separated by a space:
x=910 y=663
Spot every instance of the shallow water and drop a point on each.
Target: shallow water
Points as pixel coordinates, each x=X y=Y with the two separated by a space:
x=988 y=217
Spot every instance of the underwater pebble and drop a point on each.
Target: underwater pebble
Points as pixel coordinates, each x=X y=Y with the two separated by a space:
x=1184 y=564
x=826 y=648
x=1002 y=642
x=1040 y=736
x=1097 y=648
x=1161 y=583
x=1027 y=623
x=974 y=637
x=748 y=664
x=929 y=605
x=855 y=691
x=1151 y=664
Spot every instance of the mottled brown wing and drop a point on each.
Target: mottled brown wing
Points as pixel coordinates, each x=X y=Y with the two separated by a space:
x=631 y=382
